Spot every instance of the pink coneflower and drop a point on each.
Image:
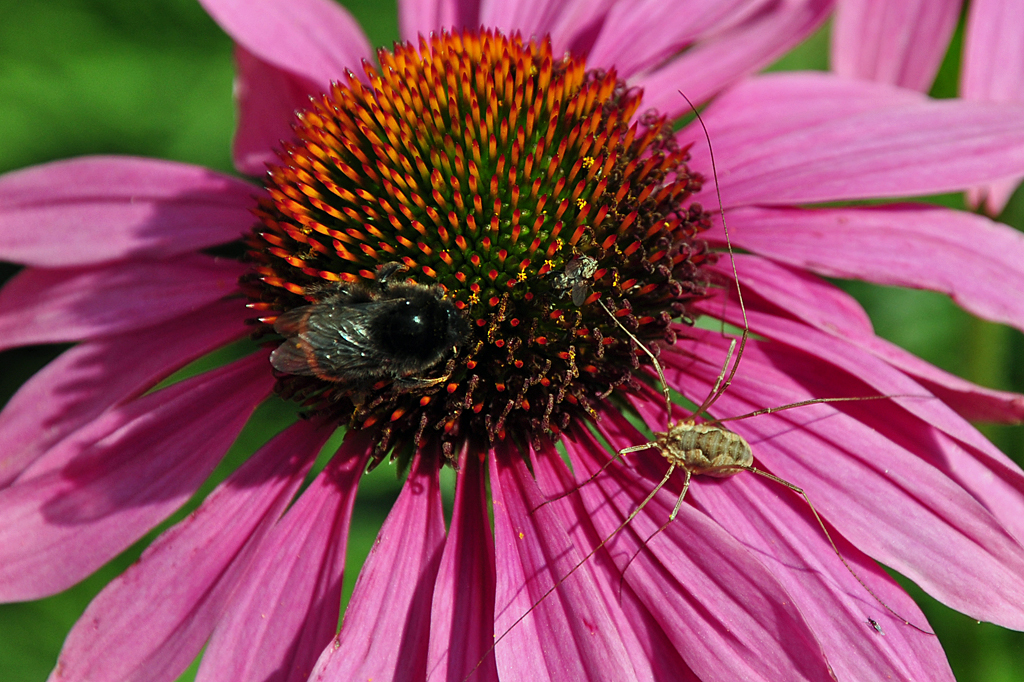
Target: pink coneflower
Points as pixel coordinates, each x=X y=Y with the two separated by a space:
x=485 y=173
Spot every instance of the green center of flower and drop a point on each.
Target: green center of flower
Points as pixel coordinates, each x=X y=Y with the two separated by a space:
x=437 y=239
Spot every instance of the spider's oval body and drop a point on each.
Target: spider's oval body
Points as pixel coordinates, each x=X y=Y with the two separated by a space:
x=705 y=449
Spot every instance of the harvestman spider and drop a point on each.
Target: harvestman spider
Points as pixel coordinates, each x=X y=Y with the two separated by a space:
x=710 y=449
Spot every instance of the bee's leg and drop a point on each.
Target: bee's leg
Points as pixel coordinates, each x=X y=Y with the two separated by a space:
x=412 y=383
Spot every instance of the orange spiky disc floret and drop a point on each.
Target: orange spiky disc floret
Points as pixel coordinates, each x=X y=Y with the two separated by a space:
x=517 y=187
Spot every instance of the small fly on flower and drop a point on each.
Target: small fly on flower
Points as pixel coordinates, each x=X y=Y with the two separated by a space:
x=576 y=278
x=358 y=334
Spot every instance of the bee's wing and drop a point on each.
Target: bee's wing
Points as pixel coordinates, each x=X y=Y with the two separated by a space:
x=293 y=357
x=292 y=322
x=327 y=340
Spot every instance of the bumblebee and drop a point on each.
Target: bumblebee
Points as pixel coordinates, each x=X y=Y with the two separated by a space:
x=360 y=334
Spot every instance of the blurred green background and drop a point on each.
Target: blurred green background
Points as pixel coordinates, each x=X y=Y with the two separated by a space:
x=154 y=79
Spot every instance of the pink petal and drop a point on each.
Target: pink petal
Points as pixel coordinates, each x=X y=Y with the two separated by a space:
x=286 y=609
x=993 y=66
x=71 y=304
x=825 y=307
x=268 y=98
x=667 y=28
x=573 y=25
x=651 y=653
x=462 y=612
x=969 y=400
x=907 y=153
x=993 y=70
x=777 y=525
x=529 y=17
x=86 y=380
x=104 y=208
x=387 y=624
x=578 y=26
x=774 y=104
x=900 y=43
x=313 y=39
x=813 y=300
x=725 y=613
x=924 y=247
x=152 y=620
x=723 y=59
x=421 y=17
x=101 y=490
x=567 y=635
x=902 y=510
